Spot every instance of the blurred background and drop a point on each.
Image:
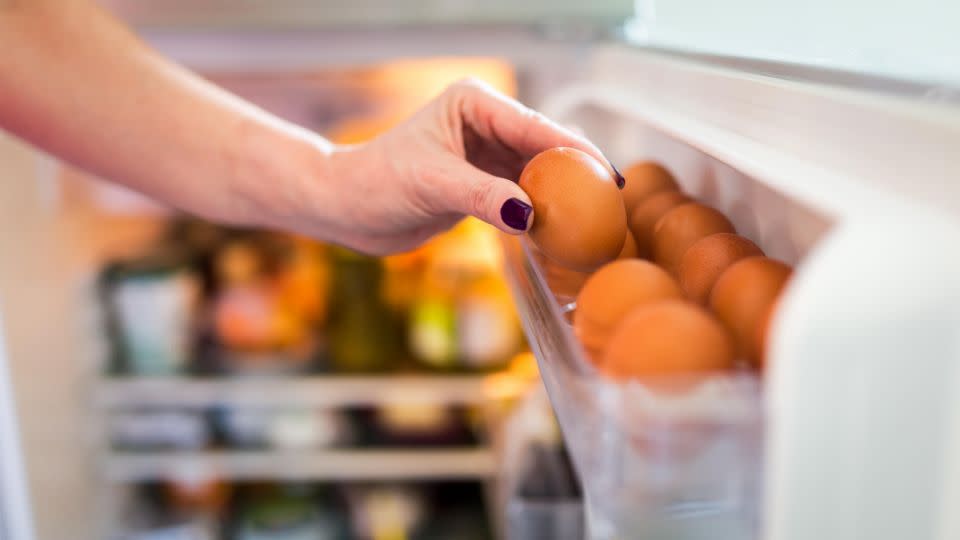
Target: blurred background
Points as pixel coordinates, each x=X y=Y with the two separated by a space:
x=176 y=379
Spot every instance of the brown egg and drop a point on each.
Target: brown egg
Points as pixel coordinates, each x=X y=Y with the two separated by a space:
x=762 y=331
x=643 y=179
x=742 y=297
x=707 y=258
x=629 y=250
x=578 y=214
x=669 y=337
x=645 y=216
x=680 y=227
x=613 y=291
x=564 y=283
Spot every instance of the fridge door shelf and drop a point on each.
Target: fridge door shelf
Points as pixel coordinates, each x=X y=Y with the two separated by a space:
x=655 y=464
x=343 y=465
x=815 y=175
x=309 y=391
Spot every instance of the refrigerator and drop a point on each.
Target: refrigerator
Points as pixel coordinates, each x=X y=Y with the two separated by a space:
x=827 y=133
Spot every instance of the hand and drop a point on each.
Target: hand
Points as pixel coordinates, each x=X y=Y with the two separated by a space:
x=459 y=155
x=159 y=129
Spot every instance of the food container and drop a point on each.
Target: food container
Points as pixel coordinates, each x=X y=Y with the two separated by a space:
x=155 y=429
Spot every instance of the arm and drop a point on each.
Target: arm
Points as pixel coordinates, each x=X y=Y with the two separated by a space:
x=79 y=85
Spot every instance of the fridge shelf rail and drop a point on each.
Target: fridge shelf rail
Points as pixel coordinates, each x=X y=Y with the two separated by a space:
x=313 y=391
x=344 y=465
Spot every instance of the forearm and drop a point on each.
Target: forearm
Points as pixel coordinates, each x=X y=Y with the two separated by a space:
x=79 y=85
x=76 y=83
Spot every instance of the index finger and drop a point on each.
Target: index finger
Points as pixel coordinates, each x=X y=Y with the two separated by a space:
x=493 y=115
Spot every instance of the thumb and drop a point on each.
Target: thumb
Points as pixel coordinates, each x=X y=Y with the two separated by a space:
x=495 y=200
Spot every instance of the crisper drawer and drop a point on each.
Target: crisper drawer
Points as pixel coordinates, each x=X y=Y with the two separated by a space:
x=812 y=446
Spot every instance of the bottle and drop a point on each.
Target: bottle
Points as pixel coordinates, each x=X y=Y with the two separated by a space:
x=488 y=330
x=196 y=491
x=386 y=512
x=288 y=513
x=363 y=334
x=463 y=317
x=253 y=318
x=151 y=310
x=303 y=281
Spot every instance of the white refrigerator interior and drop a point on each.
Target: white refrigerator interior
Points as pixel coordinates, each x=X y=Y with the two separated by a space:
x=854 y=431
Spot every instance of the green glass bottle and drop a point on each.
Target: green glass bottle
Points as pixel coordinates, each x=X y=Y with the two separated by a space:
x=363 y=333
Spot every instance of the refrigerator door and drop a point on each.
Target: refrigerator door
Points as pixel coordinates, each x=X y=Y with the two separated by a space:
x=15 y=518
x=851 y=183
x=907 y=39
x=862 y=400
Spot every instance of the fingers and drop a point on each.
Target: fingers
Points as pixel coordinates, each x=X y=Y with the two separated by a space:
x=495 y=116
x=464 y=189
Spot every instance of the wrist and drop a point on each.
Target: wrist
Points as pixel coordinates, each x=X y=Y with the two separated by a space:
x=283 y=172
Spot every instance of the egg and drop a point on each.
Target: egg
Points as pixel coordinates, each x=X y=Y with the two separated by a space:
x=643 y=179
x=578 y=216
x=670 y=337
x=707 y=258
x=761 y=333
x=563 y=282
x=629 y=250
x=614 y=290
x=742 y=297
x=680 y=227
x=646 y=214
x=566 y=283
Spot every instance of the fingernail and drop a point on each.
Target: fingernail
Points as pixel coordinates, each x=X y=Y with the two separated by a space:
x=515 y=213
x=621 y=181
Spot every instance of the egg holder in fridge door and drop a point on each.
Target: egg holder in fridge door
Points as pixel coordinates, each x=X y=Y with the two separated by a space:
x=809 y=452
x=652 y=464
x=657 y=464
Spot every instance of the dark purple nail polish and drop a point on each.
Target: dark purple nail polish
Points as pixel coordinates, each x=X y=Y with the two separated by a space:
x=515 y=213
x=621 y=181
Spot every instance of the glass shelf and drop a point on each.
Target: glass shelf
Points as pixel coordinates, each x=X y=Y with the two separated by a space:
x=340 y=464
x=313 y=391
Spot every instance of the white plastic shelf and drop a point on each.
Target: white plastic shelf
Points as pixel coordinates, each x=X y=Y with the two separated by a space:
x=313 y=391
x=353 y=465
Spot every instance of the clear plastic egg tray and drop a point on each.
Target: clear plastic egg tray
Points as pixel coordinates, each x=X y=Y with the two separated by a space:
x=654 y=464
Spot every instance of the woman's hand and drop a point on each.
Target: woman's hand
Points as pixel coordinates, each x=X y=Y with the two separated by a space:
x=459 y=155
x=81 y=86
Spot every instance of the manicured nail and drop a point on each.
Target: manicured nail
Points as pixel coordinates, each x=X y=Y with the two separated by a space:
x=515 y=213
x=621 y=181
